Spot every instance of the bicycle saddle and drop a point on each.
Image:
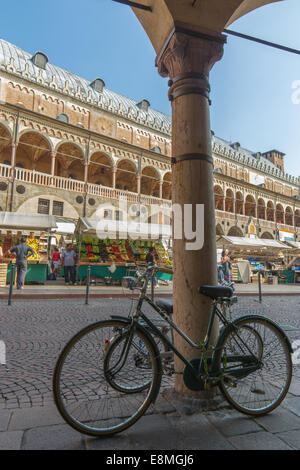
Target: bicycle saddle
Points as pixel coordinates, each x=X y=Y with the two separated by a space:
x=216 y=292
x=166 y=305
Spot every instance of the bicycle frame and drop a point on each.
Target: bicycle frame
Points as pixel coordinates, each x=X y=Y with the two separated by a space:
x=139 y=314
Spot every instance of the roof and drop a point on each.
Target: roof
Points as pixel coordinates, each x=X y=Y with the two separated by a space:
x=12 y=220
x=244 y=242
x=55 y=77
x=113 y=229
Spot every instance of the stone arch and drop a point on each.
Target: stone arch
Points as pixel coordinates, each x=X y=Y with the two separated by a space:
x=33 y=151
x=270 y=211
x=5 y=144
x=261 y=209
x=69 y=162
x=267 y=236
x=235 y=232
x=167 y=186
x=250 y=206
x=279 y=214
x=219 y=198
x=30 y=205
x=229 y=201
x=126 y=175
x=219 y=230
x=100 y=169
x=150 y=179
x=288 y=216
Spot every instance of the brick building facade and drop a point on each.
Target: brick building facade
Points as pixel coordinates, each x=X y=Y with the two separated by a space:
x=68 y=146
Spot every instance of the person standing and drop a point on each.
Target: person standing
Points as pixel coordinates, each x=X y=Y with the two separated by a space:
x=55 y=261
x=150 y=256
x=21 y=251
x=226 y=264
x=68 y=263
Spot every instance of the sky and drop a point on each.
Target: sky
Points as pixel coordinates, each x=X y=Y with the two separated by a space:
x=253 y=99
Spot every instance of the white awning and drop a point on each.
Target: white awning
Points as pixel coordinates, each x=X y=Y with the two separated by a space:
x=64 y=228
x=293 y=244
x=15 y=221
x=117 y=229
x=248 y=243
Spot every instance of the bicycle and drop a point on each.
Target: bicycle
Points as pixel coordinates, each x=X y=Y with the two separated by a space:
x=110 y=372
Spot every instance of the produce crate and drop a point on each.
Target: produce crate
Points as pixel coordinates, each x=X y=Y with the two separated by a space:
x=3 y=274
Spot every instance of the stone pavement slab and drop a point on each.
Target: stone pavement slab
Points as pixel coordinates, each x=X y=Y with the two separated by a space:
x=5 y=416
x=199 y=434
x=292 y=438
x=11 y=440
x=28 y=418
x=232 y=423
x=259 y=441
x=60 y=437
x=280 y=420
x=292 y=404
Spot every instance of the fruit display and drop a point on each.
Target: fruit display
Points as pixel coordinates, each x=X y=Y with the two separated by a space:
x=119 y=251
x=6 y=243
x=38 y=245
x=34 y=245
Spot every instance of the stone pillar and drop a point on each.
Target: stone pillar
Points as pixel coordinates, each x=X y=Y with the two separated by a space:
x=114 y=174
x=53 y=160
x=138 y=179
x=14 y=146
x=187 y=60
x=160 y=189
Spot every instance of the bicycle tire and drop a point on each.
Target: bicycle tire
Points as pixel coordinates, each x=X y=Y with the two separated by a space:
x=141 y=361
x=85 y=400
x=274 y=376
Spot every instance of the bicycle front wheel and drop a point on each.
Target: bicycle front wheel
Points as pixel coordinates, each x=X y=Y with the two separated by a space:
x=85 y=398
x=254 y=362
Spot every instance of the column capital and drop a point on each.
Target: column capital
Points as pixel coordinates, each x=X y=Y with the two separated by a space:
x=187 y=59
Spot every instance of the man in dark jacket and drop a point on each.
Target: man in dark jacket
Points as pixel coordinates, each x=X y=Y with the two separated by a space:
x=21 y=251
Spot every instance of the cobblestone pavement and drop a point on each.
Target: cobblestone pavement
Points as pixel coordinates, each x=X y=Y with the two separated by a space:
x=35 y=332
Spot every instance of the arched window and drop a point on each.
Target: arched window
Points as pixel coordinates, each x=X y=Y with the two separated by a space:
x=63 y=118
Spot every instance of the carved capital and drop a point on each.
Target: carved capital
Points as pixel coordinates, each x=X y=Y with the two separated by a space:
x=187 y=60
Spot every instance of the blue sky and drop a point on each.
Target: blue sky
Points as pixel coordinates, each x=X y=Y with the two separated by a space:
x=251 y=86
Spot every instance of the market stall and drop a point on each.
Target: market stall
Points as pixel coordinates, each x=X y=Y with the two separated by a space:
x=294 y=262
x=252 y=255
x=112 y=253
x=37 y=228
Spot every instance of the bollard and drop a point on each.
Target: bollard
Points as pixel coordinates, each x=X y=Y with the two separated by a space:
x=259 y=286
x=12 y=278
x=88 y=280
x=152 y=287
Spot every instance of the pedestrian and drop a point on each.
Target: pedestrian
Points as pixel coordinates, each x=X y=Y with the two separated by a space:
x=150 y=256
x=55 y=262
x=68 y=263
x=226 y=264
x=150 y=260
x=21 y=251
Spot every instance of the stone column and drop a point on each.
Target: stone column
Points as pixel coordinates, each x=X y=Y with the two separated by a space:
x=138 y=179
x=160 y=189
x=114 y=174
x=14 y=146
x=53 y=160
x=187 y=60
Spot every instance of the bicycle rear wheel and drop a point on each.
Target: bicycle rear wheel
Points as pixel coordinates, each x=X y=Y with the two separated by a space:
x=84 y=397
x=255 y=361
